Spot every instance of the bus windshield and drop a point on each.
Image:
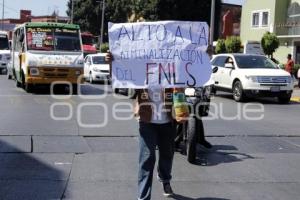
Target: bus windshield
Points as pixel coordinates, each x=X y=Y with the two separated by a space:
x=4 y=44
x=53 y=39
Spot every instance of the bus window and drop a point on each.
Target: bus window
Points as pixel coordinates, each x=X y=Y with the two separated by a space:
x=67 y=40
x=40 y=39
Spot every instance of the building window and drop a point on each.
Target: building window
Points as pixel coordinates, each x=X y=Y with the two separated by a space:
x=255 y=19
x=265 y=19
x=260 y=19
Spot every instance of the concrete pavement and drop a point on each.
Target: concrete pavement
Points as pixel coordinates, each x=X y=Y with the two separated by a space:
x=105 y=168
x=46 y=159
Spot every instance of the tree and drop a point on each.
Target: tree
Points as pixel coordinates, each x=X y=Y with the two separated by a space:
x=188 y=10
x=233 y=44
x=220 y=47
x=269 y=43
x=88 y=13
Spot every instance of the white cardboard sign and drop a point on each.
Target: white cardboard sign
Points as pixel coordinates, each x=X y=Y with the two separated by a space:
x=162 y=54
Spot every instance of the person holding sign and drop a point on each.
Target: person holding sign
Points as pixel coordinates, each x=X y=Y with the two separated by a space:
x=158 y=60
x=157 y=129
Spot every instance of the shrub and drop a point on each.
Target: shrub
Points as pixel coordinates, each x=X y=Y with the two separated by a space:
x=269 y=43
x=233 y=44
x=104 y=48
x=220 y=47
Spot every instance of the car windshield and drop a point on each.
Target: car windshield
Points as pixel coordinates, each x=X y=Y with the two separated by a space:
x=88 y=40
x=4 y=45
x=249 y=62
x=98 y=59
x=53 y=39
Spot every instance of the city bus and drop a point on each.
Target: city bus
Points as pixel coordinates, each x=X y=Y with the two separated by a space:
x=44 y=53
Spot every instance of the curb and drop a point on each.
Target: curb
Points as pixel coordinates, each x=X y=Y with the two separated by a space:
x=295 y=99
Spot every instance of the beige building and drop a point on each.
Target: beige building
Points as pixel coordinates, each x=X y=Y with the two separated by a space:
x=281 y=17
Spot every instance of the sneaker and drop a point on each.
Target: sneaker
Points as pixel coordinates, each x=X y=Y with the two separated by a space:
x=168 y=192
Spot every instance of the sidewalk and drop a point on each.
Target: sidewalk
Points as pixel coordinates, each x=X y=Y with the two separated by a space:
x=105 y=168
x=296 y=94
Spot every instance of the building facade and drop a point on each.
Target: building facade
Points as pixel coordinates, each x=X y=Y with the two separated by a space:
x=281 y=17
x=25 y=16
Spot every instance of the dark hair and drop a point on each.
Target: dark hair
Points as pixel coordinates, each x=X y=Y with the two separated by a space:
x=289 y=55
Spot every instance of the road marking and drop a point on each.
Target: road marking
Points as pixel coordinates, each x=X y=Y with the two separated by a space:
x=62 y=163
x=295 y=99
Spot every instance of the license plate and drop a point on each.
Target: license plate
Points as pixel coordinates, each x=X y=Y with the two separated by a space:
x=275 y=89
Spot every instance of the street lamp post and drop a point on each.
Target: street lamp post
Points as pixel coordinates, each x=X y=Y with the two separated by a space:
x=212 y=21
x=102 y=23
x=72 y=11
x=2 y=24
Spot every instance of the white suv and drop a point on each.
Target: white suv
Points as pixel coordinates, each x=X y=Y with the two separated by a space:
x=247 y=75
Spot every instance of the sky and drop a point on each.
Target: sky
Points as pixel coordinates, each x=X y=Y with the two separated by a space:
x=46 y=7
x=38 y=7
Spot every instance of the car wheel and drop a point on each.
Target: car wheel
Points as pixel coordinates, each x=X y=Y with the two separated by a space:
x=238 y=93
x=91 y=78
x=28 y=87
x=75 y=89
x=285 y=99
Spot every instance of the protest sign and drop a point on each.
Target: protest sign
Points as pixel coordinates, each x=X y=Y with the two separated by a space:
x=164 y=54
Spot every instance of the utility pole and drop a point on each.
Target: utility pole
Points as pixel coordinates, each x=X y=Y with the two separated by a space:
x=212 y=21
x=72 y=11
x=102 y=22
x=2 y=24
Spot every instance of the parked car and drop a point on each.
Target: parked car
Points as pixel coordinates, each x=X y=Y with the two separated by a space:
x=9 y=70
x=249 y=75
x=95 y=68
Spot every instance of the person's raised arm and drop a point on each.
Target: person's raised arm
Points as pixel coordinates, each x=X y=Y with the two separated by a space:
x=109 y=58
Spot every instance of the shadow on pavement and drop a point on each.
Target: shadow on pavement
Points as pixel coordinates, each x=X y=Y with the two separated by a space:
x=64 y=90
x=180 y=197
x=217 y=156
x=28 y=177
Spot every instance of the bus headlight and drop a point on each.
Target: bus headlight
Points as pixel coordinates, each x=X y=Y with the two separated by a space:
x=34 y=71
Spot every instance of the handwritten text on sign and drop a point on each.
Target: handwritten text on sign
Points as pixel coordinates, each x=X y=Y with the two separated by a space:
x=159 y=54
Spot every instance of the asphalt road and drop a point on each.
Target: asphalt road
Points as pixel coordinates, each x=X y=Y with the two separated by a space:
x=75 y=148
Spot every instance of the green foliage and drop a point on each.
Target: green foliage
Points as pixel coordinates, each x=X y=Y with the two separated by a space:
x=295 y=69
x=233 y=44
x=269 y=43
x=104 y=47
x=88 y=14
x=220 y=47
x=187 y=10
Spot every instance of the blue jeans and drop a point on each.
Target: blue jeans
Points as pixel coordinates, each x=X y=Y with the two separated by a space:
x=152 y=135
